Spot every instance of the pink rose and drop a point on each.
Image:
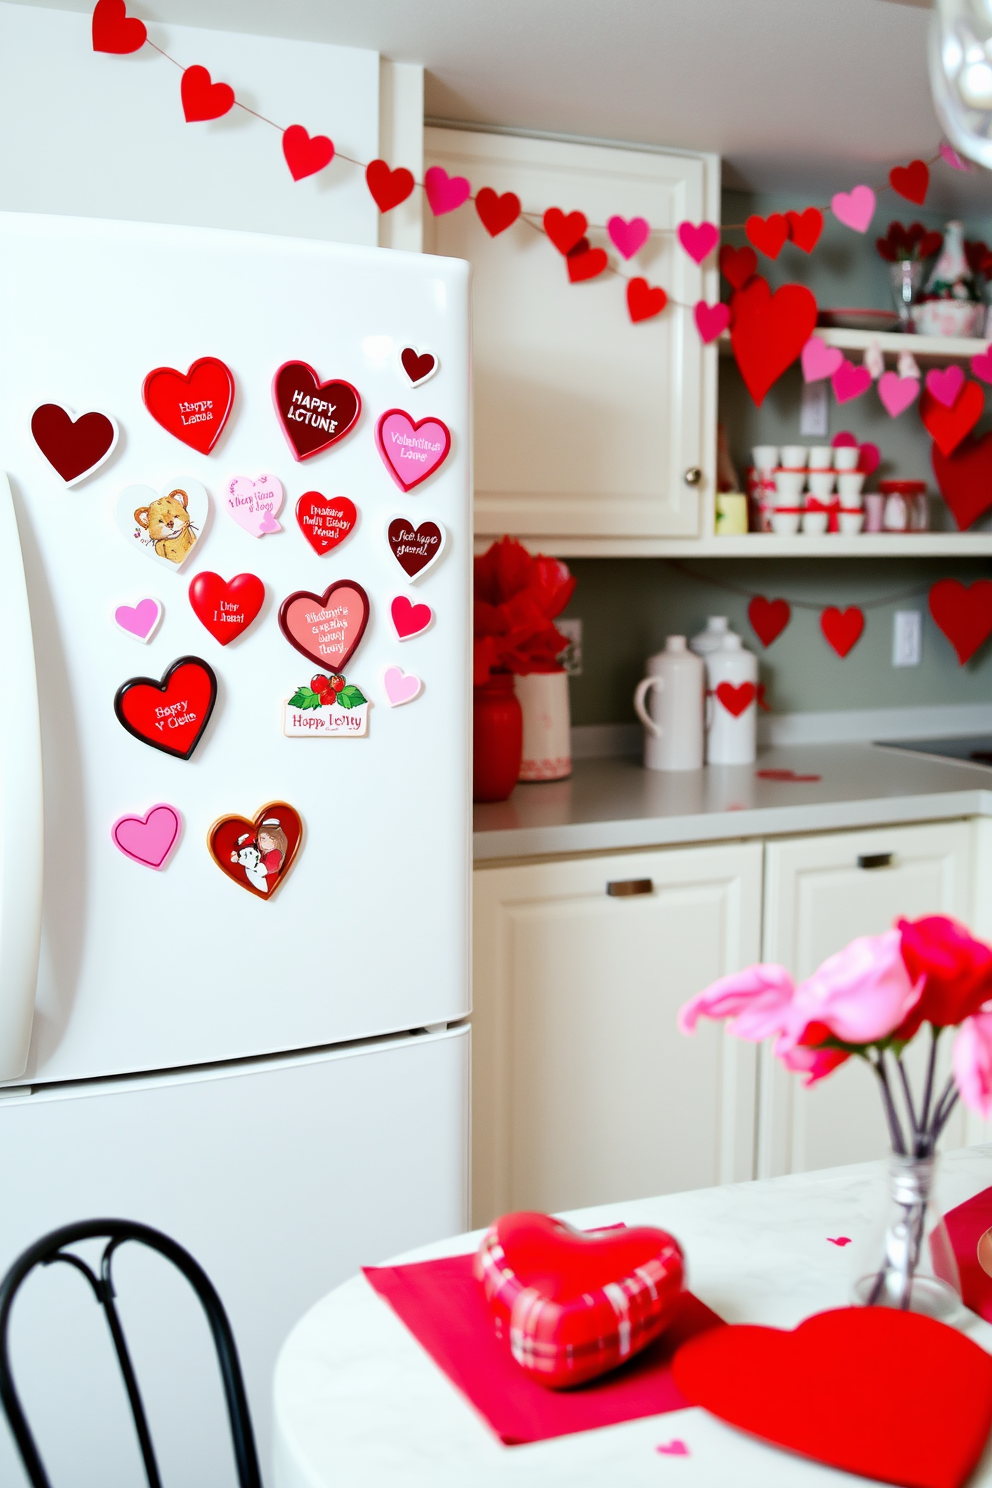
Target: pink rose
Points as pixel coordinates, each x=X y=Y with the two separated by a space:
x=973 y=1062
x=806 y=1058
x=756 y=1000
x=860 y=995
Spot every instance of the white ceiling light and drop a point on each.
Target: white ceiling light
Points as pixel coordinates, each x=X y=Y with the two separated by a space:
x=961 y=75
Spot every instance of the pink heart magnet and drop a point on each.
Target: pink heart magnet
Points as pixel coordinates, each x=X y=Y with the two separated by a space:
x=850 y=381
x=897 y=393
x=409 y=619
x=411 y=451
x=148 y=839
x=854 y=208
x=628 y=237
x=820 y=360
x=254 y=503
x=945 y=383
x=698 y=241
x=141 y=620
x=400 y=687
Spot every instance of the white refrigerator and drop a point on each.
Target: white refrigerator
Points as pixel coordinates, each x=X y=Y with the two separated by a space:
x=258 y=1046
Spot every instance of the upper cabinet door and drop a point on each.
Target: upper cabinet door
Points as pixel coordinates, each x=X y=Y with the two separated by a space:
x=586 y=424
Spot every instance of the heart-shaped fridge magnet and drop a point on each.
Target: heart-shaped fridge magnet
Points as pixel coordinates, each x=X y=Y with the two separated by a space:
x=410 y=619
x=829 y=1391
x=226 y=606
x=325 y=521
x=166 y=525
x=573 y=1304
x=254 y=504
x=963 y=613
x=195 y=405
x=329 y=708
x=148 y=839
x=411 y=451
x=400 y=687
x=169 y=715
x=314 y=414
x=257 y=854
x=74 y=445
x=965 y=478
x=326 y=628
x=415 y=548
x=419 y=366
x=141 y=620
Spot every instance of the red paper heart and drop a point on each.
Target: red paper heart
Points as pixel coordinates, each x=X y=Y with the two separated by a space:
x=194 y=407
x=564 y=232
x=769 y=331
x=963 y=613
x=585 y=263
x=965 y=478
x=911 y=181
x=226 y=607
x=114 y=30
x=644 y=300
x=948 y=426
x=415 y=549
x=388 y=187
x=805 y=228
x=833 y=1390
x=314 y=414
x=768 y=233
x=325 y=521
x=306 y=155
x=418 y=366
x=253 y=864
x=169 y=715
x=203 y=99
x=768 y=617
x=737 y=265
x=842 y=628
x=75 y=447
x=497 y=213
x=326 y=628
x=736 y=700
x=574 y=1304
x=409 y=619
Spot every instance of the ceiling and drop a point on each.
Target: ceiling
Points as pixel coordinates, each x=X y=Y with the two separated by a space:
x=804 y=96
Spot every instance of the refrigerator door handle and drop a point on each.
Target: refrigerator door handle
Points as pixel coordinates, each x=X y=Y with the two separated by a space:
x=22 y=804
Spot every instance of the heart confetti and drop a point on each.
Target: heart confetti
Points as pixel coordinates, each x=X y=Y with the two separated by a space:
x=497 y=213
x=767 y=233
x=203 y=99
x=314 y=414
x=911 y=181
x=254 y=503
x=257 y=855
x=768 y=617
x=805 y=228
x=897 y=393
x=711 y=320
x=565 y=232
x=306 y=154
x=963 y=613
x=854 y=209
x=737 y=265
x=166 y=525
x=965 y=478
x=769 y=331
x=400 y=687
x=820 y=360
x=325 y=521
x=842 y=628
x=195 y=406
x=388 y=187
x=169 y=715
x=141 y=620
x=326 y=628
x=115 y=31
x=948 y=426
x=628 y=238
x=74 y=446
x=850 y=381
x=226 y=607
x=409 y=619
x=644 y=300
x=445 y=193
x=698 y=241
x=148 y=839
x=945 y=384
x=419 y=366
x=411 y=451
x=416 y=549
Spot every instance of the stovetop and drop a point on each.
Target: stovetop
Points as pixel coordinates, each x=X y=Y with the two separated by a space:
x=973 y=749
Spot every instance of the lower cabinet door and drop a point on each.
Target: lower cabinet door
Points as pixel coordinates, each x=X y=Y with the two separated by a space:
x=584 y=1091
x=820 y=893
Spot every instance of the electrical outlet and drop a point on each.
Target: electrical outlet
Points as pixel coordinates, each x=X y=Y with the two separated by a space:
x=814 y=410
x=907 y=638
x=571 y=657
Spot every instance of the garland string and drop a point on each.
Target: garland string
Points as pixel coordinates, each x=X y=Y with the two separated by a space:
x=797 y=604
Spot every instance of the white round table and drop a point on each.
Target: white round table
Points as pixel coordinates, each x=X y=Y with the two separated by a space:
x=359 y=1403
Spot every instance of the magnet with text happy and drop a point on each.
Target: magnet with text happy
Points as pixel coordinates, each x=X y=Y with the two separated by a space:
x=314 y=414
x=171 y=714
x=193 y=405
x=258 y=854
x=328 y=707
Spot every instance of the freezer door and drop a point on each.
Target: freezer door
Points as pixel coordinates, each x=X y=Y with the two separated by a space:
x=282 y=1177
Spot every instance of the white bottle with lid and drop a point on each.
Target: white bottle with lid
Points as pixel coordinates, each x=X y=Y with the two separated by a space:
x=731 y=704
x=676 y=683
x=710 y=638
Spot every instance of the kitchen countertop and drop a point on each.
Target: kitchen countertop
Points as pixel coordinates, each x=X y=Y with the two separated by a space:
x=612 y=804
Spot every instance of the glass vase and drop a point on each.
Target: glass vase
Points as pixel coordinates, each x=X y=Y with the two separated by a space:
x=907 y=1261
x=906 y=276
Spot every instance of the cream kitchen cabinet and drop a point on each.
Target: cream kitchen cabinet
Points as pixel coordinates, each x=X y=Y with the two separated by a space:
x=583 y=1089
x=592 y=434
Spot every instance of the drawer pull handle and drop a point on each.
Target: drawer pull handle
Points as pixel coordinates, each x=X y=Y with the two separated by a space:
x=875 y=860
x=624 y=888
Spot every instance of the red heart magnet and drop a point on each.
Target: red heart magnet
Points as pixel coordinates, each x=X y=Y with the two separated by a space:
x=314 y=414
x=257 y=854
x=74 y=447
x=769 y=331
x=416 y=549
x=203 y=99
x=737 y=265
x=326 y=628
x=114 y=30
x=842 y=628
x=306 y=154
x=768 y=233
x=419 y=366
x=410 y=619
x=195 y=406
x=828 y=1390
x=497 y=213
x=169 y=715
x=736 y=700
x=965 y=478
x=226 y=607
x=805 y=228
x=911 y=181
x=325 y=521
x=963 y=613
x=388 y=187
x=564 y=232
x=644 y=301
x=411 y=451
x=768 y=617
x=948 y=426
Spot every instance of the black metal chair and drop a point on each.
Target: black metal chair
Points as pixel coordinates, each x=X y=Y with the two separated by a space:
x=51 y=1248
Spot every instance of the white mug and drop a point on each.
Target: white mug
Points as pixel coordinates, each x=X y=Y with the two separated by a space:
x=675 y=685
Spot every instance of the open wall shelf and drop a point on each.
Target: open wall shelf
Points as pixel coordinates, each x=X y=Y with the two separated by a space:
x=893 y=343
x=765 y=545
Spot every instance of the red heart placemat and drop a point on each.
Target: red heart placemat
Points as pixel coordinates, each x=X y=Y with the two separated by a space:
x=443 y=1306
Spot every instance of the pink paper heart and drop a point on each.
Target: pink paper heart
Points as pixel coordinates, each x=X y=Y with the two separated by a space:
x=148 y=839
x=981 y=365
x=711 y=320
x=945 y=383
x=850 y=381
x=844 y=440
x=897 y=393
x=698 y=241
x=253 y=503
x=675 y=1448
x=854 y=208
x=411 y=451
x=410 y=619
x=445 y=193
x=401 y=687
x=869 y=458
x=820 y=360
x=139 y=620
x=953 y=159
x=627 y=237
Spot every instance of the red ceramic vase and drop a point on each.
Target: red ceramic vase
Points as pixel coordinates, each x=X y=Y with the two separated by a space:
x=498 y=727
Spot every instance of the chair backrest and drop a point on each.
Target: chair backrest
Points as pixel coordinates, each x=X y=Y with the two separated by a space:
x=51 y=1248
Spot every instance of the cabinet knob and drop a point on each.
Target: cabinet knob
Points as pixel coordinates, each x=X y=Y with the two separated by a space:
x=624 y=888
x=875 y=860
x=693 y=475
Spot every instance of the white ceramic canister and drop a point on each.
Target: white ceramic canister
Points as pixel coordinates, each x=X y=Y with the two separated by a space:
x=675 y=688
x=731 y=718
x=710 y=638
x=547 y=753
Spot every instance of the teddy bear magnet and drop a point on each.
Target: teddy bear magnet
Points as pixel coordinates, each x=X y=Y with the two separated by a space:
x=166 y=524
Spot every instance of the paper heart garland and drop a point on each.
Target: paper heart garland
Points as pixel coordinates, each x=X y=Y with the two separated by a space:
x=854 y=208
x=963 y=613
x=869 y=457
x=193 y=406
x=945 y=384
x=314 y=414
x=565 y=232
x=257 y=855
x=737 y=265
x=203 y=99
x=769 y=331
x=416 y=549
x=410 y=619
x=842 y=628
x=141 y=620
x=411 y=452
x=585 y=263
x=711 y=320
x=911 y=181
x=306 y=154
x=820 y=360
x=169 y=715
x=400 y=687
x=897 y=393
x=965 y=478
x=828 y=1390
x=226 y=607
x=629 y=237
x=73 y=446
x=805 y=228
x=326 y=628
x=948 y=426
x=419 y=366
x=497 y=213
x=645 y=301
x=698 y=241
x=325 y=521
x=445 y=193
x=981 y=365
x=850 y=381
x=388 y=187
x=165 y=524
x=953 y=159
x=574 y=1304
x=148 y=839
x=768 y=618
x=767 y=233
x=254 y=503
x=736 y=700
x=115 y=31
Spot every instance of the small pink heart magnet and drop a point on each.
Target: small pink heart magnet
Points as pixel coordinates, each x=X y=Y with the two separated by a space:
x=410 y=619
x=254 y=503
x=148 y=839
x=411 y=451
x=400 y=687
x=141 y=620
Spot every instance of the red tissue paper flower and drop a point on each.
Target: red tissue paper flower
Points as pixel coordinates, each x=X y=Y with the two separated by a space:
x=517 y=596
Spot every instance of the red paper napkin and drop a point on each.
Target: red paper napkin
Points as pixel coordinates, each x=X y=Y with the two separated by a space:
x=443 y=1306
x=965 y=1227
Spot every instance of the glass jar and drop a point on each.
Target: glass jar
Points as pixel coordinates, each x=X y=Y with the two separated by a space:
x=907 y=506
x=906 y=276
x=498 y=734
x=907 y=1260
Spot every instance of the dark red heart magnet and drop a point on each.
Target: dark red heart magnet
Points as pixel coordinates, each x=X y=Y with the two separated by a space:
x=169 y=715
x=193 y=406
x=257 y=854
x=419 y=366
x=226 y=606
x=314 y=414
x=74 y=447
x=325 y=521
x=416 y=549
x=326 y=628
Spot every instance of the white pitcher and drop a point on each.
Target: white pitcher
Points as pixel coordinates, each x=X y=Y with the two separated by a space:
x=731 y=704
x=675 y=687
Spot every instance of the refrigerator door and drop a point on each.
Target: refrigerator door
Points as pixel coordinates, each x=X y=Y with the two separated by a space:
x=282 y=1177
x=145 y=970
